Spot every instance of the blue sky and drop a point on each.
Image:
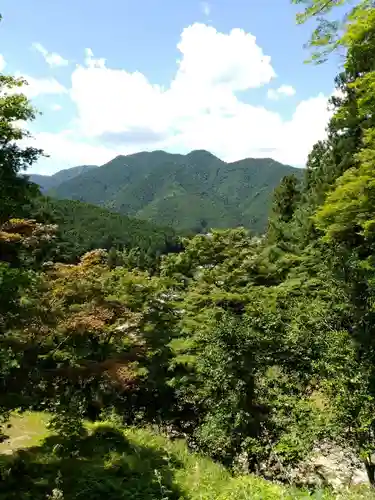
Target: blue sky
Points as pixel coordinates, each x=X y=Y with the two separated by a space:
x=121 y=76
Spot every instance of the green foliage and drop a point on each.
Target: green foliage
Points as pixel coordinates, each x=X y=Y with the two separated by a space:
x=329 y=35
x=191 y=193
x=255 y=348
x=246 y=356
x=285 y=202
x=226 y=369
x=15 y=190
x=132 y=463
x=17 y=237
x=84 y=227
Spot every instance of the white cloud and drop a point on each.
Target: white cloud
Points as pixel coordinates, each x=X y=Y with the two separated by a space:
x=39 y=86
x=272 y=94
x=206 y=8
x=213 y=66
x=2 y=63
x=287 y=90
x=303 y=130
x=283 y=90
x=91 y=62
x=66 y=150
x=119 y=112
x=56 y=107
x=250 y=131
x=123 y=100
x=210 y=58
x=52 y=58
x=67 y=146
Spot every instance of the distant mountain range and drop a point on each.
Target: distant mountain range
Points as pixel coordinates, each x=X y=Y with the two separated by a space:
x=195 y=192
x=51 y=181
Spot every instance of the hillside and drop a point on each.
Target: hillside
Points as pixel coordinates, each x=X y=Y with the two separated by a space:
x=83 y=227
x=50 y=181
x=117 y=463
x=190 y=192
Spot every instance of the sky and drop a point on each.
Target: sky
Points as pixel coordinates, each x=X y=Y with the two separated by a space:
x=121 y=76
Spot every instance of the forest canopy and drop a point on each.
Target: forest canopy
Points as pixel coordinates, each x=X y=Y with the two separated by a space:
x=255 y=349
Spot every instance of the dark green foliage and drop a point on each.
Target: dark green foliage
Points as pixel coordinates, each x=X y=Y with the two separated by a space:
x=227 y=367
x=83 y=227
x=286 y=198
x=101 y=464
x=193 y=192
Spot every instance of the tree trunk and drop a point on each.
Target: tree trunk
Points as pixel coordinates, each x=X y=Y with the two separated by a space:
x=370 y=469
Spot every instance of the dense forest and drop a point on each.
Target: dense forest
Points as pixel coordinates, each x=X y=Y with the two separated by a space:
x=82 y=227
x=254 y=352
x=192 y=192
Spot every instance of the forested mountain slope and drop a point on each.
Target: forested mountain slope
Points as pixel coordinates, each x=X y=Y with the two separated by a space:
x=190 y=192
x=50 y=181
x=83 y=227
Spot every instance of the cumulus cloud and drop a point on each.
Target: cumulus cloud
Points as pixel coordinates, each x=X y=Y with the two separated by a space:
x=39 y=86
x=210 y=58
x=212 y=67
x=283 y=90
x=52 y=58
x=303 y=130
x=287 y=90
x=65 y=150
x=123 y=100
x=119 y=112
x=2 y=63
x=251 y=131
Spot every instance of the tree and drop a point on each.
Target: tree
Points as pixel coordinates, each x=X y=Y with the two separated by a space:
x=344 y=217
x=18 y=237
x=15 y=189
x=330 y=35
x=285 y=201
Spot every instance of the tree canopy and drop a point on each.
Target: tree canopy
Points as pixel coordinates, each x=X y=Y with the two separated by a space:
x=255 y=349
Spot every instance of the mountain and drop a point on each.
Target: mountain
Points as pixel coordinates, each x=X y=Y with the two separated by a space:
x=189 y=192
x=45 y=182
x=50 y=181
x=84 y=227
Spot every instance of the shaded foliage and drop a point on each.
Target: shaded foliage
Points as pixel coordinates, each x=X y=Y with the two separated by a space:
x=83 y=227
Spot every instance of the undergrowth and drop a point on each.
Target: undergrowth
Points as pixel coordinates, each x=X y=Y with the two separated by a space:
x=138 y=464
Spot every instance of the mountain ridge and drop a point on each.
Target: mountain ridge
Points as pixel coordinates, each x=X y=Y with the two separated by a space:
x=50 y=181
x=188 y=192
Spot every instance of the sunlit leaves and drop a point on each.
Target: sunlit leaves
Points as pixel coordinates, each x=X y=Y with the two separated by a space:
x=329 y=34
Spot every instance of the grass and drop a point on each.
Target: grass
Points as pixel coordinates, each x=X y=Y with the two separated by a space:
x=23 y=431
x=117 y=464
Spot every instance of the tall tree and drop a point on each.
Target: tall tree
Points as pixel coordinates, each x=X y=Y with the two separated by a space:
x=15 y=108
x=346 y=212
